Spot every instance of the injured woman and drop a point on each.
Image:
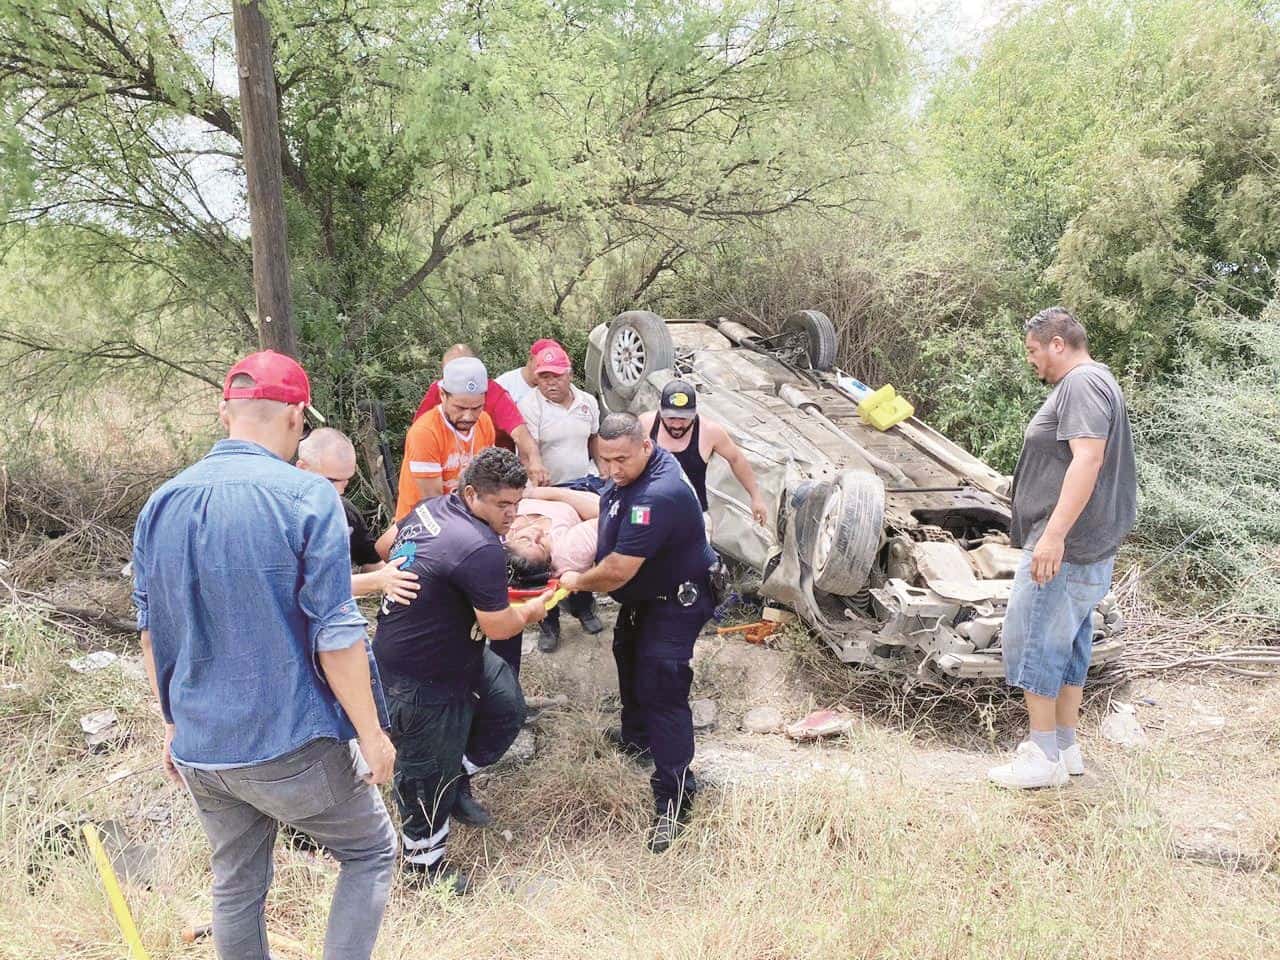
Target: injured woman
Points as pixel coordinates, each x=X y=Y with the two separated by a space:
x=555 y=532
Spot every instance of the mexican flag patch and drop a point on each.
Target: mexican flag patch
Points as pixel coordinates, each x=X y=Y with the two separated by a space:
x=640 y=516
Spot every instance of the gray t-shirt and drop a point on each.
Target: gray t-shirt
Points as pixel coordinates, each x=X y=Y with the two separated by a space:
x=1087 y=402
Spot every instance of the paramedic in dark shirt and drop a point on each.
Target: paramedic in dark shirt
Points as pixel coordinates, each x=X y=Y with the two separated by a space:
x=439 y=676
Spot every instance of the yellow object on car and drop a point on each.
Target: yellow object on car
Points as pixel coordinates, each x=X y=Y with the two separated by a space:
x=884 y=408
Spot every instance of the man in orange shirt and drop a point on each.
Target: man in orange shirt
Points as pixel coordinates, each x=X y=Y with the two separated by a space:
x=442 y=442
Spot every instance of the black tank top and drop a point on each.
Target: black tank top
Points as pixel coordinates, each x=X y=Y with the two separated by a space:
x=690 y=459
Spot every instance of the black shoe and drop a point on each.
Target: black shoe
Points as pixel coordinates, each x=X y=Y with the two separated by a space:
x=548 y=635
x=418 y=876
x=663 y=832
x=668 y=825
x=467 y=809
x=632 y=751
x=591 y=623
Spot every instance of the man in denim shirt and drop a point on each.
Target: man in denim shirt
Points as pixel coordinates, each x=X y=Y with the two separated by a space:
x=261 y=663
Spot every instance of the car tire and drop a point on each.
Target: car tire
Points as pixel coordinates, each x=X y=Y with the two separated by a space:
x=847 y=537
x=820 y=332
x=638 y=344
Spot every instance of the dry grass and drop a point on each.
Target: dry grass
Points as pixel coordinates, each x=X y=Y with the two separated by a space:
x=827 y=867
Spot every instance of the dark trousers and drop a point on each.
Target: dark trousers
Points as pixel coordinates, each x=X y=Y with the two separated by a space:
x=509 y=651
x=579 y=603
x=431 y=733
x=654 y=681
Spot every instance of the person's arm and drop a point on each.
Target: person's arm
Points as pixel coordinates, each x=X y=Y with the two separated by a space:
x=609 y=574
x=506 y=623
x=593 y=442
x=530 y=456
x=724 y=445
x=1077 y=487
x=347 y=672
x=149 y=663
x=385 y=542
x=644 y=530
x=482 y=578
x=429 y=487
x=426 y=459
x=142 y=605
x=586 y=503
x=335 y=628
x=399 y=586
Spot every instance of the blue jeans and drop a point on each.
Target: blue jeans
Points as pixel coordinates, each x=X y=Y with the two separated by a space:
x=1047 y=638
x=316 y=790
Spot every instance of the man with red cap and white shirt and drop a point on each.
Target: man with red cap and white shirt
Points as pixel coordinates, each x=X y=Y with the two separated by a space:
x=522 y=381
x=261 y=663
x=561 y=418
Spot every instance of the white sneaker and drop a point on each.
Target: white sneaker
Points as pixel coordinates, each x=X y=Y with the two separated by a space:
x=1073 y=759
x=1030 y=768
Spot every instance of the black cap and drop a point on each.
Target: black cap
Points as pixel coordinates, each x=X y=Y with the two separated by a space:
x=679 y=399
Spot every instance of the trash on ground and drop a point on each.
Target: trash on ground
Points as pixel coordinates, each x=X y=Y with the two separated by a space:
x=821 y=723
x=1122 y=727
x=90 y=662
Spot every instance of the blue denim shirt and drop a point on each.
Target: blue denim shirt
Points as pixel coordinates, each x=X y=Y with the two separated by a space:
x=242 y=574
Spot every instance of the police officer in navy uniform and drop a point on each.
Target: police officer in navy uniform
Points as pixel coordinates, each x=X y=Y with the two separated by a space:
x=653 y=558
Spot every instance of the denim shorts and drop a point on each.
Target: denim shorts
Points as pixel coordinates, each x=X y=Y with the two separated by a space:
x=1047 y=638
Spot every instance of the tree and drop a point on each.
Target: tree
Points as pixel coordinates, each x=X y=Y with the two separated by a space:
x=1127 y=155
x=440 y=157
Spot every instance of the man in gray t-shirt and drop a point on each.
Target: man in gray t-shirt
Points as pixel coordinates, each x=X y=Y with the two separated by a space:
x=1074 y=501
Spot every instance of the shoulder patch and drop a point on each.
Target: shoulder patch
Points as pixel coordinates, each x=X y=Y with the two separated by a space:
x=640 y=516
x=429 y=523
x=407 y=549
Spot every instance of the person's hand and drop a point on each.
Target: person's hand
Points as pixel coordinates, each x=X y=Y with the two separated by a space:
x=398 y=586
x=170 y=770
x=1046 y=559
x=759 y=510
x=535 y=610
x=569 y=580
x=538 y=475
x=380 y=755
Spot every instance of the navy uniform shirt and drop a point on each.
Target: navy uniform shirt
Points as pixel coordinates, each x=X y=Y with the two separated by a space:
x=656 y=517
x=461 y=567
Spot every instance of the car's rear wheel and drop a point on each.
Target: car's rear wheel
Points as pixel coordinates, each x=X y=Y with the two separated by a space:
x=821 y=342
x=638 y=343
x=847 y=537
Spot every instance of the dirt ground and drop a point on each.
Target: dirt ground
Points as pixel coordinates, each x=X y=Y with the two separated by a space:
x=1213 y=737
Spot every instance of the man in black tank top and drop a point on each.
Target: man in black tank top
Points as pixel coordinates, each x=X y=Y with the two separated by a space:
x=692 y=439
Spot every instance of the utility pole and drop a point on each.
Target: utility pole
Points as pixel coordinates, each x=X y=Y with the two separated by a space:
x=260 y=139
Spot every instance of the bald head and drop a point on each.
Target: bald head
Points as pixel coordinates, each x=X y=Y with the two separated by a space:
x=330 y=454
x=456 y=351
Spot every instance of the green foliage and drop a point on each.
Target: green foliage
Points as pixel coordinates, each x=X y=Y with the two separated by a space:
x=1209 y=470
x=453 y=170
x=1128 y=156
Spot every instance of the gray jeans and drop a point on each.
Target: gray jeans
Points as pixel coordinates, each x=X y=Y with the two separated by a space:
x=315 y=789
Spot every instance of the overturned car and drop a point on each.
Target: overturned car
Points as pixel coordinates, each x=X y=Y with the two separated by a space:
x=892 y=544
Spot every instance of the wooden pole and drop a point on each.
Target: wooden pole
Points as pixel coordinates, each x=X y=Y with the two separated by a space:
x=260 y=138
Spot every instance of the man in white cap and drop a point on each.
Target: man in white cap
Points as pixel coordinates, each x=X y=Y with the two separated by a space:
x=442 y=442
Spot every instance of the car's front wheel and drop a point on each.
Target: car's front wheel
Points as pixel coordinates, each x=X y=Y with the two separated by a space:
x=847 y=536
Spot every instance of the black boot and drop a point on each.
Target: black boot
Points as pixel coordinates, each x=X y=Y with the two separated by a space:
x=548 y=635
x=418 y=876
x=666 y=826
x=632 y=751
x=466 y=808
x=590 y=622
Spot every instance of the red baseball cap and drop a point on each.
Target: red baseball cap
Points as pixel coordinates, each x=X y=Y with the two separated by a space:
x=552 y=359
x=539 y=345
x=275 y=377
